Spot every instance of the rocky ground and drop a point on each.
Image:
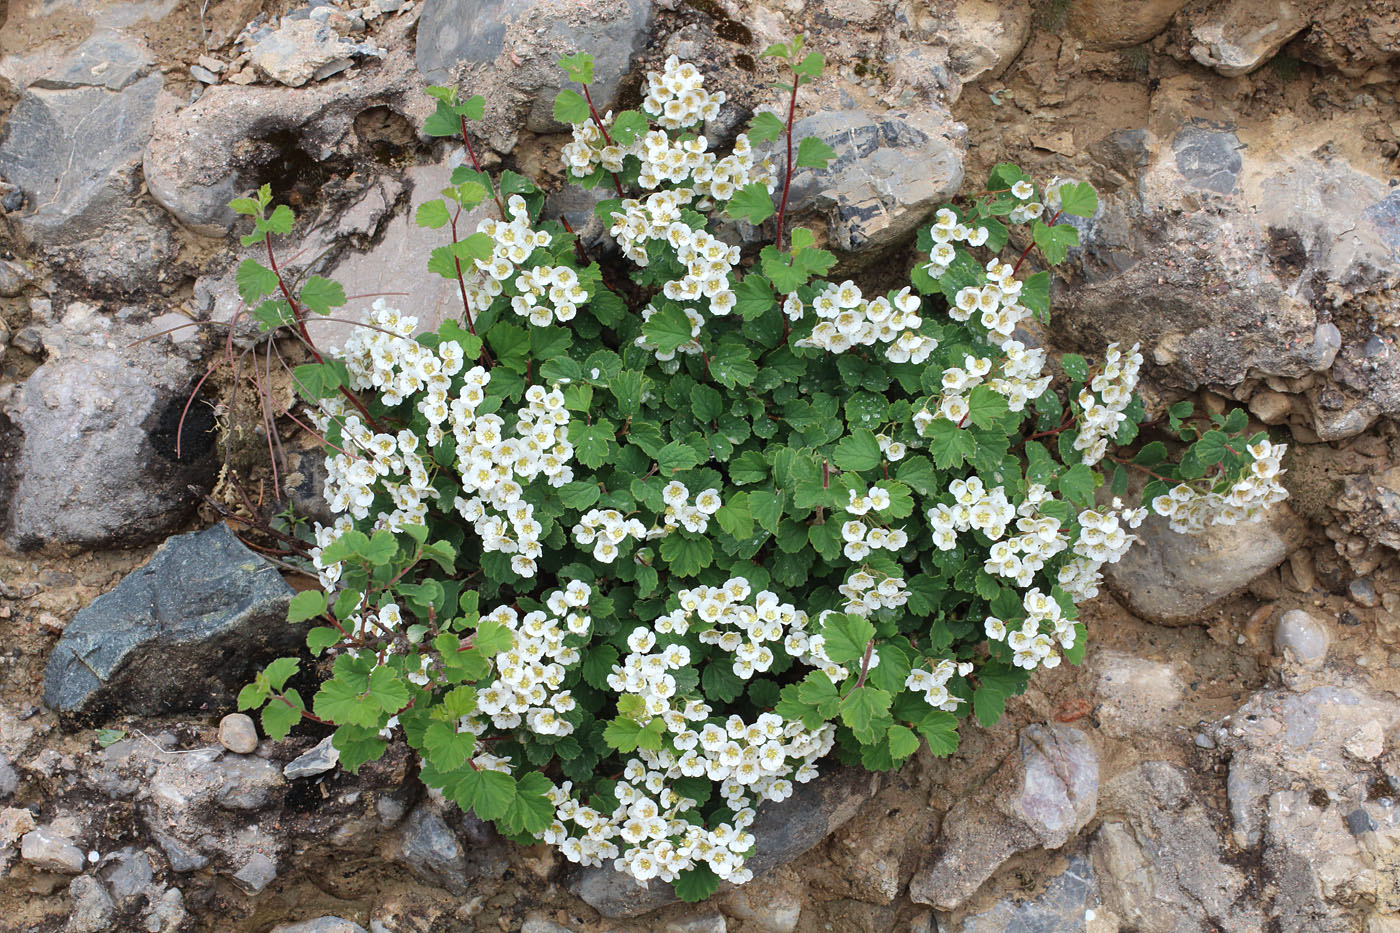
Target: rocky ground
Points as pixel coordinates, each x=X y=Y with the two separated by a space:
x=1225 y=758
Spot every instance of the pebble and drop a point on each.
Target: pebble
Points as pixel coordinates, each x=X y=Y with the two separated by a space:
x=45 y=849
x=1368 y=743
x=1204 y=741
x=238 y=734
x=1303 y=636
x=204 y=75
x=315 y=761
x=1362 y=592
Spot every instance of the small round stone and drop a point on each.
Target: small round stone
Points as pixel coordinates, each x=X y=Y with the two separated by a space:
x=1363 y=592
x=238 y=734
x=1301 y=636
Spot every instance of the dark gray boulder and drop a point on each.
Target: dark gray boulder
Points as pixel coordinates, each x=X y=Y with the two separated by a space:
x=182 y=633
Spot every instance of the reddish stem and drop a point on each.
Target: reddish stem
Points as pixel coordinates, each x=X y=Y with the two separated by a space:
x=787 y=175
x=1030 y=246
x=598 y=122
x=471 y=154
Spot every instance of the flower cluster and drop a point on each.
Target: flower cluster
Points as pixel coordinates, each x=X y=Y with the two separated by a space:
x=1043 y=631
x=848 y=319
x=544 y=286
x=1191 y=511
x=605 y=529
x=681 y=512
x=933 y=683
x=865 y=593
x=512 y=244
x=1103 y=401
x=974 y=507
x=1101 y=540
x=860 y=538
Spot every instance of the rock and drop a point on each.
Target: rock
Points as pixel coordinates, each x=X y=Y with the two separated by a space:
x=1041 y=797
x=890 y=173
x=511 y=49
x=326 y=924
x=302 y=50
x=1363 y=593
x=106 y=60
x=238 y=734
x=1120 y=24
x=1136 y=695
x=229 y=141
x=127 y=873
x=1160 y=864
x=14 y=823
x=1367 y=743
x=1173 y=579
x=1270 y=407
x=765 y=911
x=705 y=923
x=540 y=924
x=1279 y=740
x=183 y=632
x=431 y=850
x=1060 y=908
x=258 y=873
x=9 y=779
x=74 y=153
x=1369 y=507
x=1356 y=39
x=13 y=277
x=95 y=463
x=203 y=75
x=93 y=909
x=181 y=857
x=782 y=832
x=320 y=759
x=1236 y=38
x=168 y=914
x=984 y=37
x=1302 y=638
x=49 y=851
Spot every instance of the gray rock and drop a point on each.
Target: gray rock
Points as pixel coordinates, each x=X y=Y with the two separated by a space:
x=107 y=60
x=182 y=632
x=9 y=778
x=238 y=734
x=222 y=145
x=1363 y=592
x=182 y=858
x=705 y=923
x=1160 y=864
x=127 y=873
x=1137 y=695
x=45 y=849
x=245 y=783
x=1173 y=578
x=1059 y=908
x=890 y=173
x=93 y=909
x=320 y=759
x=483 y=34
x=431 y=850
x=167 y=914
x=203 y=75
x=326 y=924
x=303 y=50
x=1302 y=637
x=1235 y=38
x=74 y=153
x=766 y=911
x=1207 y=158
x=95 y=450
x=1041 y=797
x=13 y=277
x=782 y=831
x=259 y=872
x=538 y=924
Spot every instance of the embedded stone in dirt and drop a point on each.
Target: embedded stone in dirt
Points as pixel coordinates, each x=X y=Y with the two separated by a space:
x=1301 y=637
x=327 y=924
x=183 y=632
x=1044 y=794
x=238 y=734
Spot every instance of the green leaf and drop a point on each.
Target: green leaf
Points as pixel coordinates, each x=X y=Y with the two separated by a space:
x=280 y=671
x=321 y=294
x=985 y=406
x=695 y=884
x=814 y=153
x=858 y=451
x=493 y=637
x=751 y=203
x=357 y=745
x=903 y=742
x=473 y=108
x=919 y=474
x=1035 y=293
x=755 y=297
x=626 y=386
x=432 y=214
x=254 y=280
x=1077 y=485
x=442 y=122
x=1054 y=242
x=846 y=637
x=628 y=126
x=570 y=107
x=766 y=127
x=339 y=702
x=676 y=456
x=446 y=747
x=866 y=711
x=580 y=494
x=307 y=604
x=811 y=66
x=109 y=737
x=623 y=734
x=667 y=329
x=253 y=695
x=488 y=794
x=686 y=555
x=579 y=67
x=706 y=403
x=387 y=690
x=531 y=810
x=1079 y=199
x=280 y=220
x=594 y=443
x=1075 y=367
x=318 y=380
x=767 y=509
x=940 y=730
x=279 y=717
x=949 y=444
x=598 y=662
x=734 y=517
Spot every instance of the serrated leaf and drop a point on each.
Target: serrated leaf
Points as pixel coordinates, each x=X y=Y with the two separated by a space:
x=846 y=637
x=628 y=126
x=432 y=214
x=949 y=444
x=940 y=730
x=1079 y=199
x=766 y=127
x=686 y=555
x=570 y=107
x=695 y=884
x=814 y=153
x=281 y=219
x=579 y=67
x=254 y=280
x=751 y=203
x=667 y=329
x=321 y=294
x=278 y=717
x=858 y=451
x=866 y=711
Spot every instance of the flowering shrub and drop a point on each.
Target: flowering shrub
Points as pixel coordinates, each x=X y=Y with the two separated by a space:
x=642 y=538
